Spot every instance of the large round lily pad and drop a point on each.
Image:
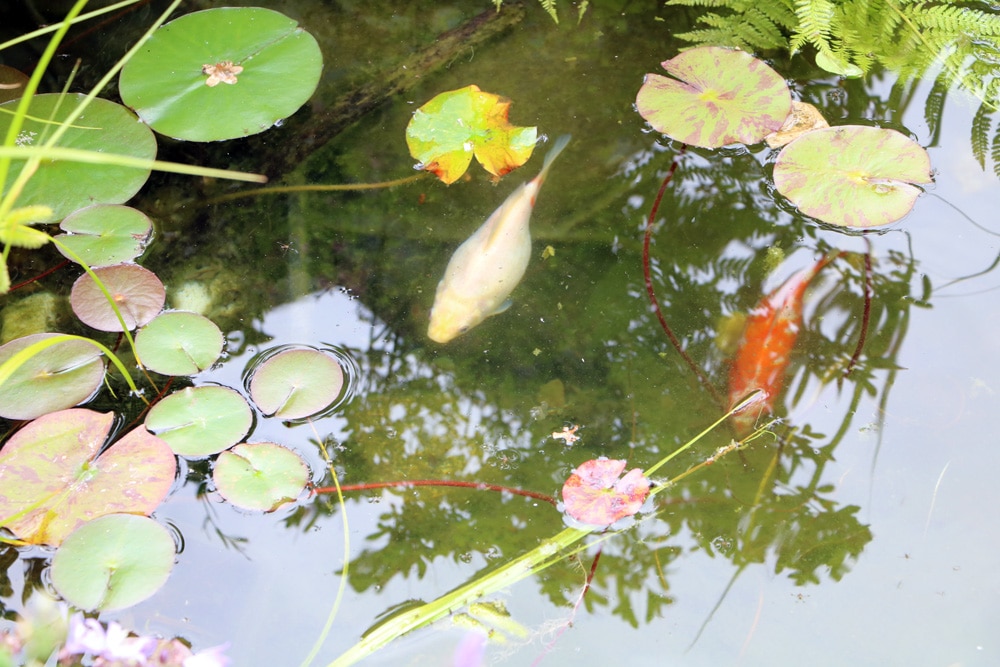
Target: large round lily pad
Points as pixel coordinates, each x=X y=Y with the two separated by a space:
x=852 y=175
x=179 y=343
x=717 y=97
x=137 y=293
x=113 y=562
x=201 y=421
x=295 y=383
x=260 y=476
x=65 y=186
x=105 y=234
x=60 y=376
x=52 y=481
x=222 y=73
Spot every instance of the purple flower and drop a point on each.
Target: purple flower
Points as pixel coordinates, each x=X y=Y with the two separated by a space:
x=470 y=651
x=210 y=657
x=88 y=636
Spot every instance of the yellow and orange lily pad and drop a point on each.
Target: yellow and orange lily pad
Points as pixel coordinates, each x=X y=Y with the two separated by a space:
x=448 y=131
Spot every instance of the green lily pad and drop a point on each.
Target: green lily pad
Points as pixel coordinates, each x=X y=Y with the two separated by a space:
x=179 y=343
x=201 y=421
x=717 y=97
x=852 y=175
x=113 y=562
x=105 y=234
x=260 y=476
x=58 y=377
x=65 y=186
x=445 y=133
x=51 y=482
x=222 y=73
x=137 y=292
x=295 y=383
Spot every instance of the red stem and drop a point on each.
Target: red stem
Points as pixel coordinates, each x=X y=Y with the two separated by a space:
x=647 y=274
x=479 y=486
x=40 y=275
x=866 y=313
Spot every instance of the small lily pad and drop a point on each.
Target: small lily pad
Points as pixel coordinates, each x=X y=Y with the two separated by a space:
x=596 y=495
x=201 y=421
x=179 y=343
x=852 y=175
x=137 y=292
x=222 y=73
x=57 y=377
x=717 y=97
x=105 y=234
x=445 y=133
x=260 y=476
x=113 y=562
x=52 y=481
x=12 y=83
x=296 y=383
x=104 y=127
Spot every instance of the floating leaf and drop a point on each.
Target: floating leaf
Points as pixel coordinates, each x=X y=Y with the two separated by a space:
x=105 y=234
x=137 y=292
x=51 y=482
x=201 y=421
x=179 y=343
x=718 y=97
x=836 y=65
x=803 y=118
x=296 y=383
x=113 y=562
x=103 y=127
x=853 y=176
x=446 y=132
x=260 y=476
x=595 y=494
x=12 y=82
x=269 y=67
x=58 y=377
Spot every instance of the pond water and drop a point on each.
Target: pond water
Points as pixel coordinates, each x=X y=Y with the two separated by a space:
x=863 y=531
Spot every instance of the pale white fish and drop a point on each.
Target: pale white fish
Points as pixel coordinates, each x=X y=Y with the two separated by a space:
x=487 y=267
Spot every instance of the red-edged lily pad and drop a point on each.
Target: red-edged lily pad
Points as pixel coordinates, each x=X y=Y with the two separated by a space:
x=853 y=175
x=717 y=97
x=260 y=476
x=445 y=133
x=52 y=481
x=597 y=494
x=137 y=292
x=113 y=562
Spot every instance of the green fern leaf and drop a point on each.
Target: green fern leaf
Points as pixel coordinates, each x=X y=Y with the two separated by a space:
x=995 y=153
x=981 y=124
x=934 y=106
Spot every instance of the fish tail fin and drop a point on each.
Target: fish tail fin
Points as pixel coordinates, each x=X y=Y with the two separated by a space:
x=553 y=153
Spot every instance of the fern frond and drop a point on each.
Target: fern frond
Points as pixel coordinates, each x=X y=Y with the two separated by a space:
x=982 y=122
x=550 y=7
x=815 y=18
x=995 y=153
x=934 y=106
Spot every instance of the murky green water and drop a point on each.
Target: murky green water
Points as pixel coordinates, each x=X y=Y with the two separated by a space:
x=862 y=533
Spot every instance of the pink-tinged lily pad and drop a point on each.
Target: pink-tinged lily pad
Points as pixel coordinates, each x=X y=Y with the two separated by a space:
x=179 y=343
x=137 y=292
x=105 y=234
x=54 y=378
x=595 y=494
x=51 y=482
x=296 y=383
x=113 y=562
x=445 y=133
x=201 y=421
x=852 y=175
x=717 y=97
x=260 y=476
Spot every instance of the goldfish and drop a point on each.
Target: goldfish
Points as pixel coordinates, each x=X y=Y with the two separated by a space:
x=487 y=267
x=765 y=348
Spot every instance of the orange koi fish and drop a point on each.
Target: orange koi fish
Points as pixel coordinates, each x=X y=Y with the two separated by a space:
x=764 y=353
